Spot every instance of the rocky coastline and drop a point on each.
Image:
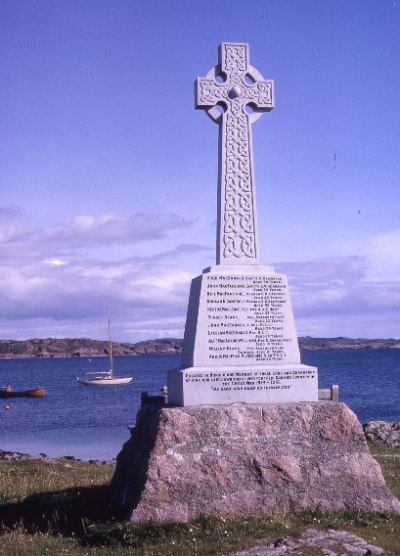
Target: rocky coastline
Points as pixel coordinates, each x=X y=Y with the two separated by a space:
x=309 y=343
x=84 y=347
x=7 y=455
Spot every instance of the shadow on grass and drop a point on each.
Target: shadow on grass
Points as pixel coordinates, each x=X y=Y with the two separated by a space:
x=65 y=511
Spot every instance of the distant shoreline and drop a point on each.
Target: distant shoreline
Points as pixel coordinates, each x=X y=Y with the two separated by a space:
x=51 y=348
x=11 y=455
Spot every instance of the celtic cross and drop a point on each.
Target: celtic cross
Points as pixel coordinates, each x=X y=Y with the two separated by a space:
x=234 y=95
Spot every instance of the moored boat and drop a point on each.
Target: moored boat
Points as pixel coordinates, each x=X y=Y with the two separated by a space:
x=103 y=379
x=8 y=392
x=106 y=378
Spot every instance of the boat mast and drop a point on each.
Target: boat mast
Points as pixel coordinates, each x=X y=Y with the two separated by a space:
x=110 y=350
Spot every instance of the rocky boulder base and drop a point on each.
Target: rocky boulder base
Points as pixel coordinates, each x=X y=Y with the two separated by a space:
x=384 y=433
x=243 y=460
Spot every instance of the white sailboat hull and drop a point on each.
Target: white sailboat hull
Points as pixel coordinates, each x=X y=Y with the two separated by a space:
x=104 y=380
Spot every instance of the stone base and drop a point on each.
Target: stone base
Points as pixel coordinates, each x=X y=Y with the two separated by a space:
x=246 y=460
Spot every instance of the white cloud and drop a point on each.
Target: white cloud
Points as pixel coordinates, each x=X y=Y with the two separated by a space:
x=80 y=293
x=336 y=297
x=84 y=232
x=116 y=229
x=54 y=262
x=59 y=281
x=71 y=287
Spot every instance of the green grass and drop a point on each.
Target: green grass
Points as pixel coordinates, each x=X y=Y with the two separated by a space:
x=389 y=460
x=24 y=478
x=62 y=507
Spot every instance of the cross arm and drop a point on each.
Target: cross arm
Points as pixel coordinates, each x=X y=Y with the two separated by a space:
x=261 y=94
x=209 y=93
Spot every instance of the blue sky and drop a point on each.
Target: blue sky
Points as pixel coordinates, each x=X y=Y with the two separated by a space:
x=108 y=174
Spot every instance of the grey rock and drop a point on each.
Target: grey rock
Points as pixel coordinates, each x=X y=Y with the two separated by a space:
x=243 y=460
x=371 y=549
x=393 y=440
x=349 y=544
x=383 y=432
x=354 y=549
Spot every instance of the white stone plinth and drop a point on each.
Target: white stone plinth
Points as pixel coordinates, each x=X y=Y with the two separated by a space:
x=239 y=316
x=258 y=384
x=240 y=342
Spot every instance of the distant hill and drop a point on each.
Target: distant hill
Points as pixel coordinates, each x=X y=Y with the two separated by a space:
x=347 y=343
x=83 y=347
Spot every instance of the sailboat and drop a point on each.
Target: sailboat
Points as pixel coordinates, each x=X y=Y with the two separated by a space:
x=107 y=378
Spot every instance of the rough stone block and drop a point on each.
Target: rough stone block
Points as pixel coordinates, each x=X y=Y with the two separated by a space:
x=244 y=460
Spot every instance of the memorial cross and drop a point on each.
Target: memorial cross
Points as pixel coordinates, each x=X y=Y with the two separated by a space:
x=234 y=95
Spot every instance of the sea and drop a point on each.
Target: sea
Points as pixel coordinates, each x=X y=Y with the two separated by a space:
x=89 y=422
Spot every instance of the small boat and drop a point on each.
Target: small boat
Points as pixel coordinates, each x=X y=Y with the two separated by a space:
x=8 y=392
x=107 y=378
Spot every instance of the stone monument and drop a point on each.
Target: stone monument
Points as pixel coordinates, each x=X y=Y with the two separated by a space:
x=240 y=341
x=227 y=445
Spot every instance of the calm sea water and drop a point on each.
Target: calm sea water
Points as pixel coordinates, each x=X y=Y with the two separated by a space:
x=92 y=422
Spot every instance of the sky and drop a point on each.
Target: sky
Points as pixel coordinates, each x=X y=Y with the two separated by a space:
x=108 y=175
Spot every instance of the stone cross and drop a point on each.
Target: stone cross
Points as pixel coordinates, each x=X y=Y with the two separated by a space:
x=234 y=95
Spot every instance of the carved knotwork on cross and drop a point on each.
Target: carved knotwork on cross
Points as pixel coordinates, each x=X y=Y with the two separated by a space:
x=234 y=95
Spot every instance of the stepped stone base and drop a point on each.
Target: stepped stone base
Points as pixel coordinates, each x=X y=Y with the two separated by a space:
x=242 y=384
x=244 y=460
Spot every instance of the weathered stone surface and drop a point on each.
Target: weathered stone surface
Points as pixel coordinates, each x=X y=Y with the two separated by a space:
x=326 y=543
x=243 y=460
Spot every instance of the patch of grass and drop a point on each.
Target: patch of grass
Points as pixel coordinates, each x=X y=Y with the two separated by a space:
x=62 y=508
x=19 y=479
x=377 y=448
x=391 y=471
x=206 y=537
x=19 y=543
x=389 y=460
x=54 y=496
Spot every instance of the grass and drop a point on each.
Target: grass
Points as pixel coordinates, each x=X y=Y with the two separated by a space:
x=19 y=480
x=389 y=460
x=62 y=507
